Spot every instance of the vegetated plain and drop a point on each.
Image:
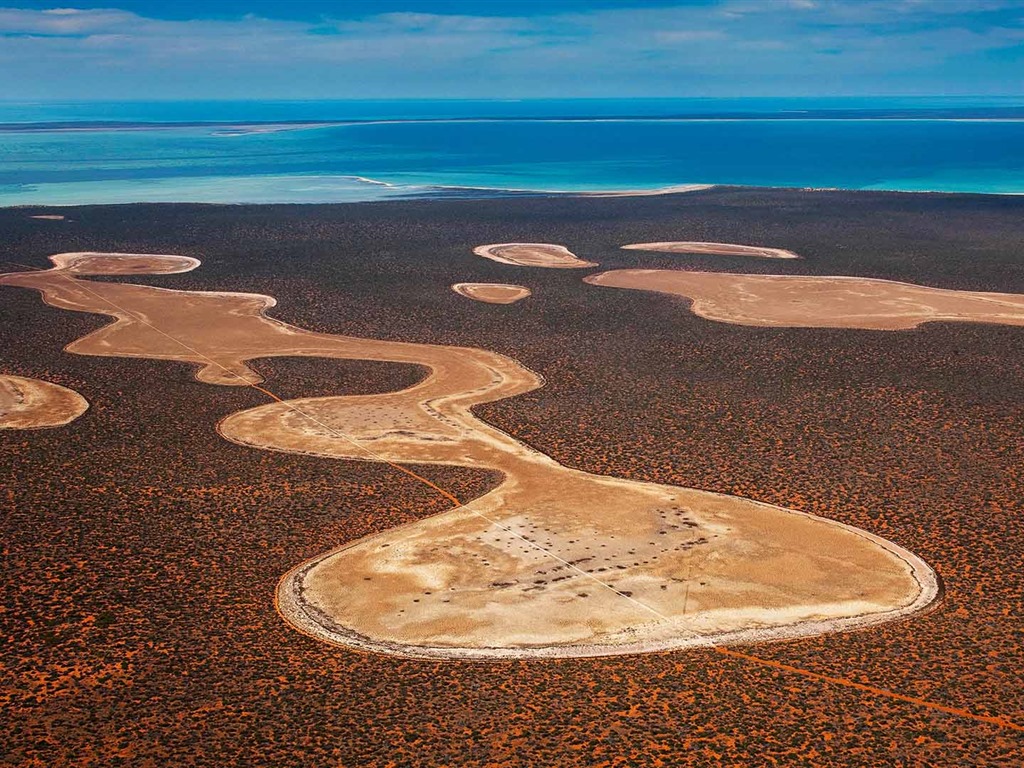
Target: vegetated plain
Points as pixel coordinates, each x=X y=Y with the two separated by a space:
x=553 y=562
x=143 y=551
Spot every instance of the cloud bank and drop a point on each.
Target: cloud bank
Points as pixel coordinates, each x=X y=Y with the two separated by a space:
x=726 y=48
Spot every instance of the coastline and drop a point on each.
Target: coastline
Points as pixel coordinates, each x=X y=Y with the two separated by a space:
x=242 y=127
x=323 y=153
x=443 y=192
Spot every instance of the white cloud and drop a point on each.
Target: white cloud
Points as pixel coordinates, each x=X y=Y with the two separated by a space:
x=688 y=35
x=743 y=45
x=61 y=21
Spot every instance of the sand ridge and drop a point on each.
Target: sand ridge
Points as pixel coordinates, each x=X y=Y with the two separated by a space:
x=492 y=293
x=818 y=302
x=36 y=404
x=545 y=255
x=713 y=249
x=552 y=562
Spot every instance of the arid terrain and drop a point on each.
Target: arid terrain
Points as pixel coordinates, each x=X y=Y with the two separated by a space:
x=520 y=571
x=143 y=550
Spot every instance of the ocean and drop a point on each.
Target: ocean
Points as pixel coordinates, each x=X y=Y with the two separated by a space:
x=334 y=151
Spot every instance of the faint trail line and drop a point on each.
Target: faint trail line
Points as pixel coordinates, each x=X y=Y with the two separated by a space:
x=337 y=433
x=689 y=574
x=996 y=720
x=846 y=682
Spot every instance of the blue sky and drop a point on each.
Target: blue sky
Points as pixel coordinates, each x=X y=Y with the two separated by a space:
x=255 y=49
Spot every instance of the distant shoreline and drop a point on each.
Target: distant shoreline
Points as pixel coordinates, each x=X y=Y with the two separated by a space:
x=204 y=158
x=443 y=194
x=242 y=127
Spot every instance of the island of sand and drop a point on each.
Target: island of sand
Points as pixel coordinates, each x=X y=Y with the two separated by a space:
x=551 y=562
x=818 y=302
x=492 y=293
x=544 y=255
x=713 y=249
x=36 y=404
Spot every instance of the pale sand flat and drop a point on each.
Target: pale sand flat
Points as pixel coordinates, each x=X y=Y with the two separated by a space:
x=93 y=263
x=713 y=249
x=492 y=293
x=545 y=255
x=37 y=404
x=818 y=302
x=552 y=562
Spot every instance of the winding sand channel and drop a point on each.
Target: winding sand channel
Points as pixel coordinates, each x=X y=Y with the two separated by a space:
x=552 y=562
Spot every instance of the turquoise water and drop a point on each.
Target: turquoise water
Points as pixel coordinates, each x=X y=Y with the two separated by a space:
x=255 y=152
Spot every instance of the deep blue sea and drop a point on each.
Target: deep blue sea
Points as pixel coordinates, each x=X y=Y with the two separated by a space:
x=333 y=151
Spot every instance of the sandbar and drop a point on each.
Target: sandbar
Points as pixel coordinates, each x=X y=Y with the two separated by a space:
x=545 y=255
x=798 y=301
x=492 y=293
x=553 y=561
x=36 y=404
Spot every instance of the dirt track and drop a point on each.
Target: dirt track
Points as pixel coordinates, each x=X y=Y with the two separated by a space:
x=552 y=562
